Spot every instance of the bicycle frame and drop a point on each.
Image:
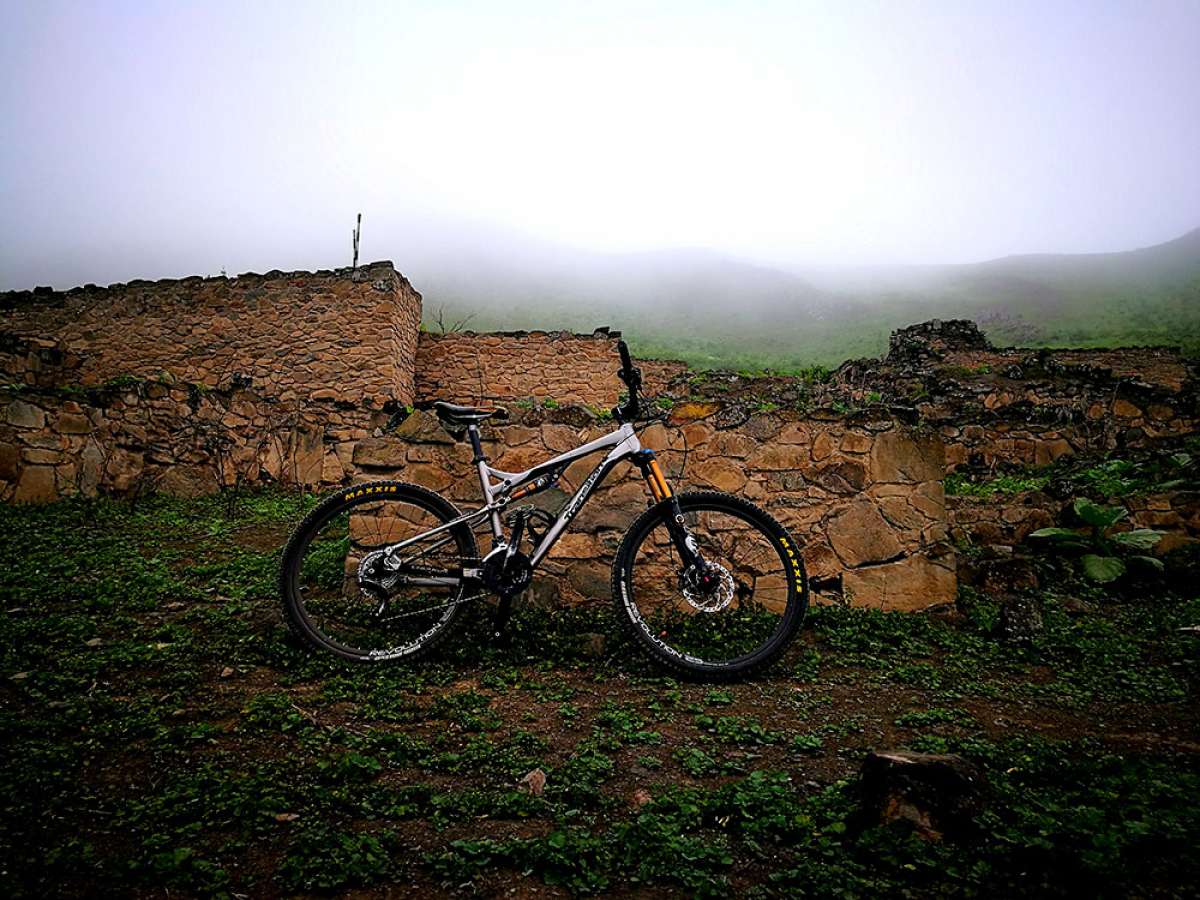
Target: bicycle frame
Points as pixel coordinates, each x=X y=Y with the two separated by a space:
x=622 y=444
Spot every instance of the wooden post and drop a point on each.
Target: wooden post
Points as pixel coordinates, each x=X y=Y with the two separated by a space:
x=357 y=232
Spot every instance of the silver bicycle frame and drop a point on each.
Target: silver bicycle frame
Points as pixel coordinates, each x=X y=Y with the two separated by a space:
x=620 y=444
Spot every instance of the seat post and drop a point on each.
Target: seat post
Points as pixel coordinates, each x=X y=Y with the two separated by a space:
x=476 y=444
x=484 y=483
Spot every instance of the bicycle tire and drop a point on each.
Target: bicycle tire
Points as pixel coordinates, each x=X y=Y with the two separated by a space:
x=745 y=664
x=298 y=620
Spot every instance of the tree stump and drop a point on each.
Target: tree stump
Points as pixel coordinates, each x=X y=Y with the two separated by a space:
x=937 y=795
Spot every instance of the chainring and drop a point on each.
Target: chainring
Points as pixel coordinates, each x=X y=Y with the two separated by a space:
x=506 y=575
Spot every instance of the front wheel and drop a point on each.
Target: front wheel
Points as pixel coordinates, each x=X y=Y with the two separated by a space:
x=733 y=617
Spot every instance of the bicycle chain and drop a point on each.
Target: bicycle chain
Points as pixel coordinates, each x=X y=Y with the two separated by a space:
x=429 y=609
x=421 y=612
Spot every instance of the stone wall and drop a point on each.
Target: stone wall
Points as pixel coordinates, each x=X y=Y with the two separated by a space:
x=192 y=385
x=864 y=497
x=348 y=335
x=466 y=367
x=1008 y=520
x=136 y=436
x=1012 y=406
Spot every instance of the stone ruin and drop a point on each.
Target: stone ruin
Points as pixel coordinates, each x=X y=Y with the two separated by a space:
x=317 y=379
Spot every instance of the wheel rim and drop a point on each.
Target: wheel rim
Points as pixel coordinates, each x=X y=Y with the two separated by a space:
x=729 y=614
x=360 y=608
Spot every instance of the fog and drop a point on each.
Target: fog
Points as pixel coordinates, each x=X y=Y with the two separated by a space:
x=164 y=139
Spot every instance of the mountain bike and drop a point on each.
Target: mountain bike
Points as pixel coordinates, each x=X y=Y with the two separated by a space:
x=708 y=584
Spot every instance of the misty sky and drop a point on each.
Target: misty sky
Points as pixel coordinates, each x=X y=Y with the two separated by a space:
x=160 y=139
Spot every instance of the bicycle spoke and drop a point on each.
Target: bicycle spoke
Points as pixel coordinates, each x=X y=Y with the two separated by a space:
x=357 y=599
x=728 y=610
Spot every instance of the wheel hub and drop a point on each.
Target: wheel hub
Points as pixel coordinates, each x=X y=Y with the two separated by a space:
x=708 y=587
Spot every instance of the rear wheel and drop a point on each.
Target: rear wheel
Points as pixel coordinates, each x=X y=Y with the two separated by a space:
x=732 y=617
x=344 y=595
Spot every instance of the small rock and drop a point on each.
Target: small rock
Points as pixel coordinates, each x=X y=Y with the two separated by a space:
x=286 y=817
x=1076 y=607
x=591 y=645
x=226 y=672
x=533 y=783
x=1005 y=576
x=641 y=797
x=20 y=676
x=94 y=642
x=160 y=645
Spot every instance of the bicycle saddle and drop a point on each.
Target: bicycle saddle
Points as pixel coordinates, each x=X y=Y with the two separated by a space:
x=452 y=414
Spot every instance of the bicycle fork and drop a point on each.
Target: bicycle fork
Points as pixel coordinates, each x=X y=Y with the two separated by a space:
x=685 y=544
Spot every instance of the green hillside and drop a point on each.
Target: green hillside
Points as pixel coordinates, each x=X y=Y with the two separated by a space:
x=718 y=312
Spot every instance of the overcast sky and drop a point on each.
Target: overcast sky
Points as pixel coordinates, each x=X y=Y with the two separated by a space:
x=150 y=140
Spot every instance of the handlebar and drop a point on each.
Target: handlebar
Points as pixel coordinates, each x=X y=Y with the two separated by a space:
x=632 y=376
x=626 y=360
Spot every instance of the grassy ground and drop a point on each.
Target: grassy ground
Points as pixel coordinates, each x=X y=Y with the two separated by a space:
x=162 y=735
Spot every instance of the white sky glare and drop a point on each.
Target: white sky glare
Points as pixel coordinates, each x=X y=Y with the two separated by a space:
x=152 y=139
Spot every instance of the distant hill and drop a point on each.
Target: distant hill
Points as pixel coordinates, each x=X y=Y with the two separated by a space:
x=1149 y=295
x=715 y=310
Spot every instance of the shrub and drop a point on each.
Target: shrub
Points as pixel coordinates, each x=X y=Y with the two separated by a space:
x=1102 y=547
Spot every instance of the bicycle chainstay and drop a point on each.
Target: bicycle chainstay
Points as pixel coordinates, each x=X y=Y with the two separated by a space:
x=429 y=609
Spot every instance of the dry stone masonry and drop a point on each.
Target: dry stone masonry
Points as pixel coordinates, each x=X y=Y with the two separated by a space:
x=347 y=335
x=465 y=367
x=1028 y=407
x=192 y=385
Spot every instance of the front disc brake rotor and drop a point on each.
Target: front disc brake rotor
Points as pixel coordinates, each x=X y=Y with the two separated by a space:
x=709 y=589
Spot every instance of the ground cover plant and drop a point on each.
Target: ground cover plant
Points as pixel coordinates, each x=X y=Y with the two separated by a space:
x=162 y=734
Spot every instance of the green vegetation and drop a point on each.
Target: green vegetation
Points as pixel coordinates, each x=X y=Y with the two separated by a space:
x=965 y=485
x=162 y=733
x=1111 y=478
x=1123 y=477
x=680 y=308
x=1102 y=547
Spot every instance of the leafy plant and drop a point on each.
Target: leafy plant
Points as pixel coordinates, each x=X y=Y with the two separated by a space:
x=1103 y=547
